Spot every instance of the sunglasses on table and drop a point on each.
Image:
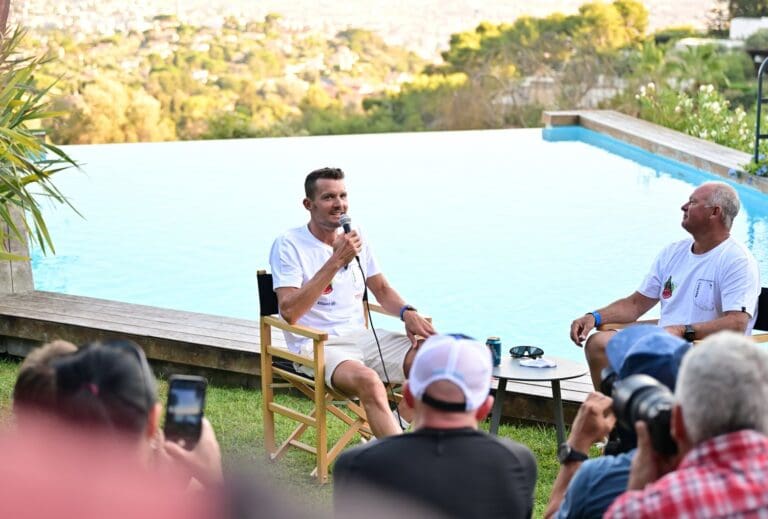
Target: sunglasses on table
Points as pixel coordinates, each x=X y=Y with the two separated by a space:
x=531 y=352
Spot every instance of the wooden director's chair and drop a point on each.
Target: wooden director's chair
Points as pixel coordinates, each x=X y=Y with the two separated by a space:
x=277 y=362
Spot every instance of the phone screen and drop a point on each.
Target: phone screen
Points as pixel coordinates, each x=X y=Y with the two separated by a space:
x=184 y=412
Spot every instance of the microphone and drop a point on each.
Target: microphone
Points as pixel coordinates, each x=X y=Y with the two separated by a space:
x=346 y=223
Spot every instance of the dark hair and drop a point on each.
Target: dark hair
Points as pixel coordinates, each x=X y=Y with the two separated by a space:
x=106 y=384
x=35 y=388
x=310 y=183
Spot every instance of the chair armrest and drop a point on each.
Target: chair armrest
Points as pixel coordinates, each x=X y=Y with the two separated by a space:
x=618 y=326
x=304 y=331
x=375 y=307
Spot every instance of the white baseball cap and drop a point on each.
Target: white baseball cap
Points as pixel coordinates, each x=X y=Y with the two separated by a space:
x=458 y=359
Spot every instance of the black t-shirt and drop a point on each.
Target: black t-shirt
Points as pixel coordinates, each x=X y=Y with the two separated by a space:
x=458 y=472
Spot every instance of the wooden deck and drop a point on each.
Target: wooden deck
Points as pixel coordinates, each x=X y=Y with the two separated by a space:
x=701 y=154
x=185 y=338
x=193 y=342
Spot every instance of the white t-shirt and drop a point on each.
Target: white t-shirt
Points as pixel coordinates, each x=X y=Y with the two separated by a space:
x=695 y=288
x=296 y=257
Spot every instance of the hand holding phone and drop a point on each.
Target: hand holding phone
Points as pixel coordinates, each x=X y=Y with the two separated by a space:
x=184 y=411
x=203 y=463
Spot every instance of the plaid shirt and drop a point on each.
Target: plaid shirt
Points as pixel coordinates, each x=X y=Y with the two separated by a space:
x=726 y=476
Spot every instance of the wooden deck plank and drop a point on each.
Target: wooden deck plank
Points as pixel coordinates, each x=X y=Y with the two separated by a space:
x=571 y=392
x=78 y=311
x=121 y=321
x=75 y=304
x=189 y=335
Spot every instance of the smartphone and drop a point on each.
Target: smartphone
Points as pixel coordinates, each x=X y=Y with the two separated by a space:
x=184 y=412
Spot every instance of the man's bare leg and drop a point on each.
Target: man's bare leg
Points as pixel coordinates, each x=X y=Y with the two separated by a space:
x=353 y=378
x=594 y=350
x=406 y=412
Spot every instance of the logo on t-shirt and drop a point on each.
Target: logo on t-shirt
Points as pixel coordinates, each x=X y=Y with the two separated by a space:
x=669 y=287
x=328 y=289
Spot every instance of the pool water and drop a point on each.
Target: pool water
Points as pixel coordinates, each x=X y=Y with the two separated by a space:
x=505 y=232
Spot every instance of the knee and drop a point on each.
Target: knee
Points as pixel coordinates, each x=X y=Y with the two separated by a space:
x=368 y=383
x=595 y=347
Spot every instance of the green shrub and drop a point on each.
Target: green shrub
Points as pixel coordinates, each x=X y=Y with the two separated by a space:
x=758 y=40
x=706 y=114
x=759 y=168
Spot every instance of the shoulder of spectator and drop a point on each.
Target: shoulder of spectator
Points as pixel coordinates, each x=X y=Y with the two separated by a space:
x=521 y=451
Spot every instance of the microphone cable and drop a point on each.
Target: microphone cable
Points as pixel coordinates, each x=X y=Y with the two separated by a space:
x=346 y=223
x=389 y=389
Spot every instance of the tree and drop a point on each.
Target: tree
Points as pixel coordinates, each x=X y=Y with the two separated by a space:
x=696 y=66
x=748 y=8
x=719 y=19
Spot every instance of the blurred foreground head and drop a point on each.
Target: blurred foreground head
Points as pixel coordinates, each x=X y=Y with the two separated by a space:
x=50 y=469
x=35 y=388
x=108 y=386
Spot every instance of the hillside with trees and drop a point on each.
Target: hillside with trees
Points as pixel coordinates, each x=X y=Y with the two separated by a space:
x=181 y=82
x=265 y=78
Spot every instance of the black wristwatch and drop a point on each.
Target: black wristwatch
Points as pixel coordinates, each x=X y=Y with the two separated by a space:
x=689 y=334
x=566 y=453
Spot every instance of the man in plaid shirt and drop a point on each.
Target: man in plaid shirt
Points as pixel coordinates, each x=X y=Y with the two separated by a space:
x=719 y=423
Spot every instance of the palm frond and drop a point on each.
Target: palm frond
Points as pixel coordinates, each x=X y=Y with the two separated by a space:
x=26 y=160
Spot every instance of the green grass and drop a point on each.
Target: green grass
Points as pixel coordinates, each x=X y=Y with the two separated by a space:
x=236 y=416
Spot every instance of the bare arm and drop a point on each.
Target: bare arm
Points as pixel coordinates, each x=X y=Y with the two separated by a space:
x=593 y=422
x=294 y=302
x=625 y=310
x=388 y=298
x=735 y=321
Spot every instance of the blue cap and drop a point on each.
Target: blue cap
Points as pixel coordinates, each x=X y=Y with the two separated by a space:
x=649 y=350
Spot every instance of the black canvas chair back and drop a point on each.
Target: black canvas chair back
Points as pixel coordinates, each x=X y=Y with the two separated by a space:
x=762 y=311
x=267 y=296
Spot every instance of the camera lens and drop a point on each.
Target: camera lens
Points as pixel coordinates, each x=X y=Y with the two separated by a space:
x=640 y=397
x=607 y=380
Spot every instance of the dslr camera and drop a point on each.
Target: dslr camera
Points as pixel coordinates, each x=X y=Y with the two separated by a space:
x=643 y=398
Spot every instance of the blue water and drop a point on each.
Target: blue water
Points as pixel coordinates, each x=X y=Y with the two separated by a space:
x=505 y=232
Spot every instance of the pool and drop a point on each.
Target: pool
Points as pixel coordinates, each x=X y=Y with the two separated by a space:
x=500 y=232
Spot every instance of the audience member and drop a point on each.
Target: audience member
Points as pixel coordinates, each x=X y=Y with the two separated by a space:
x=706 y=283
x=586 y=487
x=446 y=462
x=35 y=389
x=108 y=388
x=719 y=422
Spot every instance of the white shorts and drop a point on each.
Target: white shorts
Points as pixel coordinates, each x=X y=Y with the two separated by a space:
x=361 y=347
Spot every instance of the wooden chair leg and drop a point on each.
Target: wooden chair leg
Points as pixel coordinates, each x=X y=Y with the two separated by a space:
x=267 y=393
x=321 y=416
